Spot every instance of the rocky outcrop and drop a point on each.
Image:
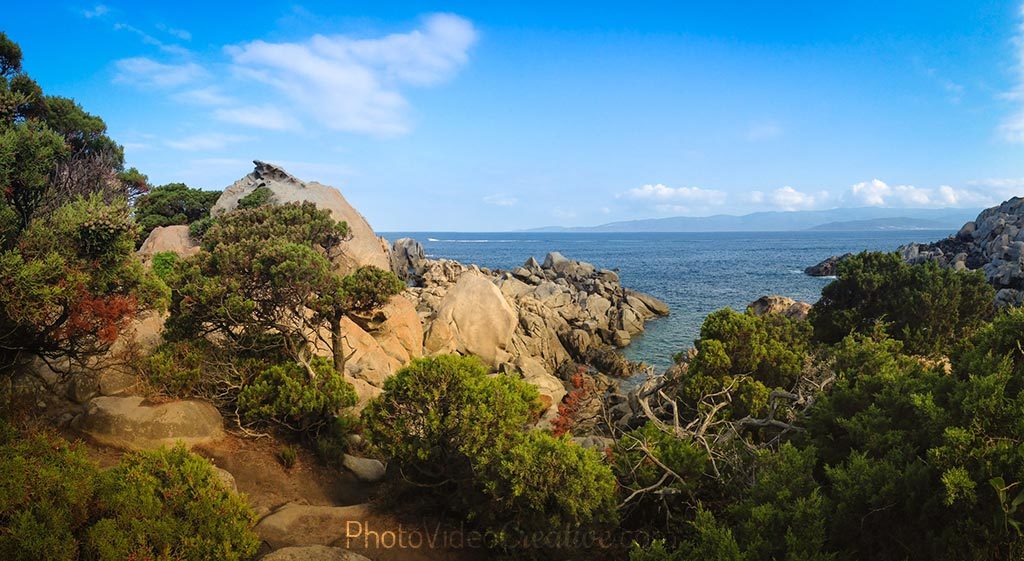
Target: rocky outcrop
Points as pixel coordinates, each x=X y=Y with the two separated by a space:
x=472 y=318
x=365 y=469
x=128 y=423
x=407 y=258
x=530 y=320
x=992 y=243
x=364 y=247
x=780 y=305
x=826 y=268
x=174 y=239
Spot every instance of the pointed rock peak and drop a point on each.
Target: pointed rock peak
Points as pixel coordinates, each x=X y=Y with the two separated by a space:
x=271 y=172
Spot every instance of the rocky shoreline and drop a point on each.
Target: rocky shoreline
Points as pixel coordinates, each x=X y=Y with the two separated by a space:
x=992 y=243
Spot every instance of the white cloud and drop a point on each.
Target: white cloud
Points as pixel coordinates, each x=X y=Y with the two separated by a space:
x=150 y=40
x=1012 y=128
x=178 y=33
x=763 y=131
x=142 y=71
x=352 y=85
x=788 y=198
x=258 y=116
x=206 y=141
x=203 y=96
x=98 y=11
x=501 y=200
x=664 y=194
x=879 y=193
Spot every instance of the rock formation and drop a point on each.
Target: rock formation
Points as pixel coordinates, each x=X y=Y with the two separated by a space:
x=529 y=320
x=780 y=305
x=128 y=423
x=826 y=268
x=364 y=248
x=993 y=243
x=168 y=238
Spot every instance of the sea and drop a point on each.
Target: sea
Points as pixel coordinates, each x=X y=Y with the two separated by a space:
x=695 y=273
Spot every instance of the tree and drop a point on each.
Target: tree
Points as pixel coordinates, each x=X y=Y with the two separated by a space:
x=28 y=154
x=172 y=204
x=267 y=270
x=72 y=284
x=927 y=307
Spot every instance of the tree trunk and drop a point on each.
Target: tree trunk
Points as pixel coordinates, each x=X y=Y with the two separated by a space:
x=337 y=346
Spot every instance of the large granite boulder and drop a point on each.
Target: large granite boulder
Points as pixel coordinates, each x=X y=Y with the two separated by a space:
x=364 y=248
x=408 y=260
x=472 y=318
x=175 y=239
x=131 y=424
x=780 y=305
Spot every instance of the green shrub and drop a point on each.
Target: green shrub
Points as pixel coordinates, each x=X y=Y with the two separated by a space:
x=260 y=196
x=169 y=504
x=635 y=471
x=300 y=400
x=288 y=455
x=544 y=484
x=163 y=264
x=56 y=504
x=441 y=415
x=929 y=308
x=755 y=353
x=47 y=496
x=197 y=230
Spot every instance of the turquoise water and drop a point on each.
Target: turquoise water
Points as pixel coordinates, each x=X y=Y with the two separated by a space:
x=694 y=273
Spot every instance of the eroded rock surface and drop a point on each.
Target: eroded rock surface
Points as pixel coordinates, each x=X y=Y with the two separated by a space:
x=129 y=423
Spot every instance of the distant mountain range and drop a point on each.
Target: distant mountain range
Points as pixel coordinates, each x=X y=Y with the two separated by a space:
x=837 y=219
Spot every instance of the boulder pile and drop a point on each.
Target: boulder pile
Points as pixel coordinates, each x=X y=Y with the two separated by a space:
x=993 y=243
x=530 y=320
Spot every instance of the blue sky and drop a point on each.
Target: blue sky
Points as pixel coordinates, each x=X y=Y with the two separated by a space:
x=487 y=116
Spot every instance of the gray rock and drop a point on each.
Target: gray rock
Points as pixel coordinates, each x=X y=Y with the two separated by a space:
x=128 y=423
x=115 y=382
x=82 y=388
x=366 y=469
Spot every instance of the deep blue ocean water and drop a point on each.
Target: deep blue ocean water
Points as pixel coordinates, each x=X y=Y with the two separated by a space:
x=694 y=273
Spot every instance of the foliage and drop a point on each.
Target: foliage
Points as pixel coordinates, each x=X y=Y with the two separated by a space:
x=56 y=504
x=267 y=270
x=440 y=415
x=73 y=283
x=927 y=307
x=545 y=484
x=172 y=204
x=69 y=280
x=749 y=354
x=458 y=436
x=286 y=395
x=640 y=460
x=288 y=455
x=169 y=504
x=164 y=263
x=47 y=496
x=260 y=196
